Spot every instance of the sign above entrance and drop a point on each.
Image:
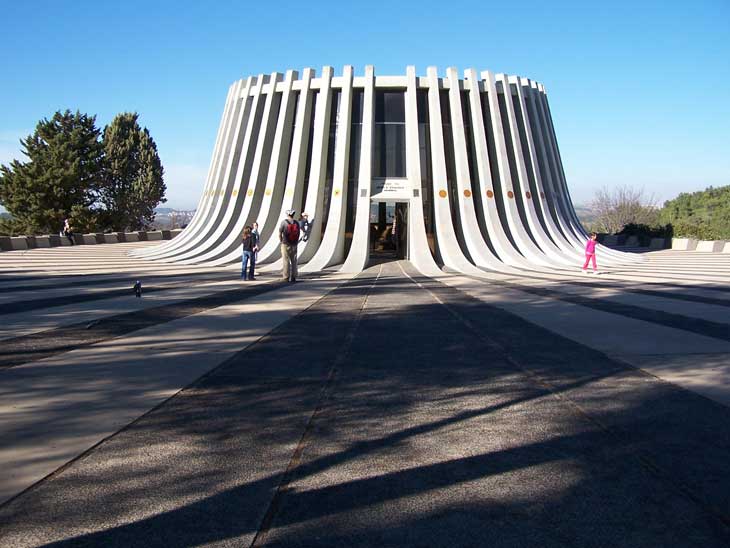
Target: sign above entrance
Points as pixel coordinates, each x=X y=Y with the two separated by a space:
x=390 y=190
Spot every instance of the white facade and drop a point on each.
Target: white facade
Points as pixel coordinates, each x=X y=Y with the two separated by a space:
x=473 y=160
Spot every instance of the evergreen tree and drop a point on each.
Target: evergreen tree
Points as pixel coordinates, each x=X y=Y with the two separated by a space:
x=133 y=181
x=60 y=178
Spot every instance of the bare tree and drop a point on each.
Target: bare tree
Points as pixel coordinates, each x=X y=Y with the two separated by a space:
x=617 y=207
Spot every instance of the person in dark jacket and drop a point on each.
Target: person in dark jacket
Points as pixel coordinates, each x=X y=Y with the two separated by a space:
x=67 y=231
x=249 y=245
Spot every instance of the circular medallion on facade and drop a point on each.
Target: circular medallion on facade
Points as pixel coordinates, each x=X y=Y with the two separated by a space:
x=442 y=193
x=467 y=193
x=268 y=192
x=490 y=194
x=510 y=194
x=249 y=192
x=235 y=192
x=528 y=195
x=337 y=192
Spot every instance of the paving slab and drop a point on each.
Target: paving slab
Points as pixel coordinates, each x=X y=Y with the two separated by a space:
x=401 y=411
x=52 y=410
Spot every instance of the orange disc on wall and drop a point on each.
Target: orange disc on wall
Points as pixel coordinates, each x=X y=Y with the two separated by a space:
x=467 y=193
x=528 y=195
x=510 y=194
x=490 y=194
x=250 y=192
x=442 y=193
x=268 y=192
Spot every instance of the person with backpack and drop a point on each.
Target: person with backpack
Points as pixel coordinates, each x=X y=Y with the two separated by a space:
x=289 y=232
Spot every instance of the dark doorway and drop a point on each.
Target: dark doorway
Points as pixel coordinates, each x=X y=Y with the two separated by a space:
x=388 y=232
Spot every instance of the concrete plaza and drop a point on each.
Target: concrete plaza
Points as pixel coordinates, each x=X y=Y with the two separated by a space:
x=385 y=409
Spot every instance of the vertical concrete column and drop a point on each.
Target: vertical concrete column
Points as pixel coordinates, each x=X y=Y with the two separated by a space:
x=448 y=243
x=295 y=175
x=418 y=250
x=332 y=249
x=318 y=169
x=357 y=258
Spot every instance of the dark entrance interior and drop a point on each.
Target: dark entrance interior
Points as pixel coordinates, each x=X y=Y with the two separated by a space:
x=388 y=232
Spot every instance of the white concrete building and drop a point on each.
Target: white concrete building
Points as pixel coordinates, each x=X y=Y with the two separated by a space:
x=466 y=168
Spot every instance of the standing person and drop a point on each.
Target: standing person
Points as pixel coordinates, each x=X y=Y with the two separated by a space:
x=289 y=232
x=67 y=230
x=305 y=225
x=247 y=243
x=591 y=253
x=257 y=236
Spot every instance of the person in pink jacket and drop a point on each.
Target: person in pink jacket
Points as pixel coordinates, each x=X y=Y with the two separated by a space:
x=591 y=253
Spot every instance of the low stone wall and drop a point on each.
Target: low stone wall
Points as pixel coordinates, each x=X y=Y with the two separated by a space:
x=13 y=243
x=712 y=246
x=632 y=241
x=684 y=244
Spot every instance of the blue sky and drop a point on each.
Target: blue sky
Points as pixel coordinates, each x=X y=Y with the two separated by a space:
x=639 y=91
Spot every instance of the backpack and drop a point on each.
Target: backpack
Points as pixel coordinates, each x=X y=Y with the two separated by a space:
x=291 y=235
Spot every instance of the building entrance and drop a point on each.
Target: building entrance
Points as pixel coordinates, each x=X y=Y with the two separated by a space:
x=388 y=231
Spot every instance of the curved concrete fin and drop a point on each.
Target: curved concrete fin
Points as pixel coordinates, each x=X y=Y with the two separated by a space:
x=220 y=193
x=332 y=248
x=533 y=140
x=492 y=179
x=524 y=196
x=419 y=252
x=295 y=176
x=357 y=258
x=511 y=216
x=208 y=195
x=262 y=139
x=447 y=241
x=228 y=240
x=314 y=200
x=233 y=200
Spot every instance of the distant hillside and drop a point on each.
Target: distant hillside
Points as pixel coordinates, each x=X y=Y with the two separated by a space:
x=704 y=214
x=585 y=213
